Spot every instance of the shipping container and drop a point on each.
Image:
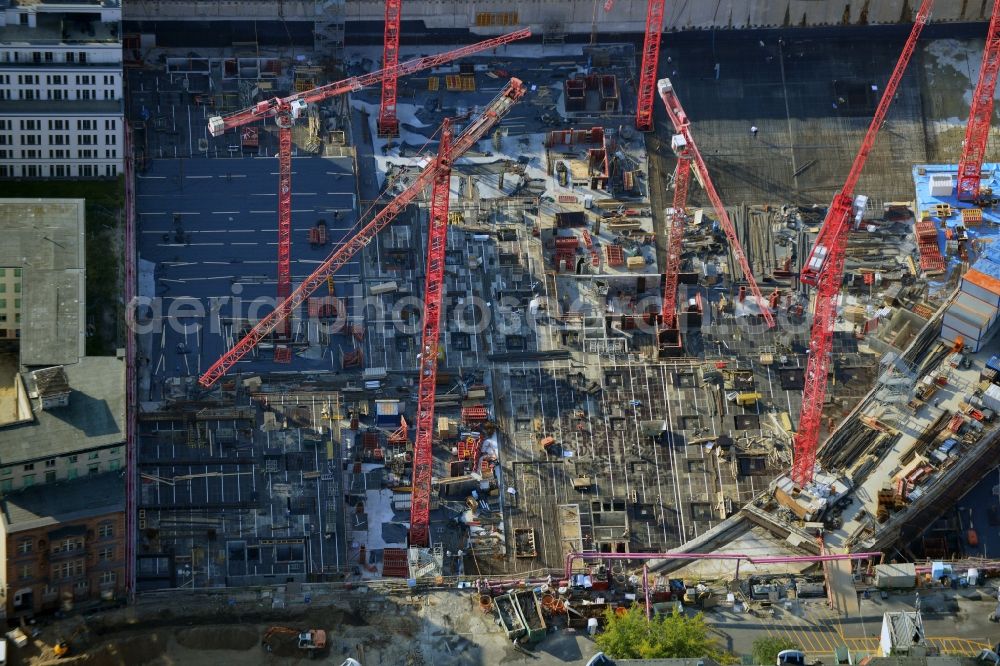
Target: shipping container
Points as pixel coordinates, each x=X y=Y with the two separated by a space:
x=950 y=335
x=375 y=373
x=982 y=310
x=899 y=576
x=991 y=397
x=982 y=286
x=993 y=363
x=954 y=320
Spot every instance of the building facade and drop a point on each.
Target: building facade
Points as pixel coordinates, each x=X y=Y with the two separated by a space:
x=10 y=302
x=64 y=546
x=61 y=103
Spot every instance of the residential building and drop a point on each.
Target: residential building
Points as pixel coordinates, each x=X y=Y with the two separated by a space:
x=10 y=302
x=62 y=421
x=63 y=544
x=62 y=415
x=61 y=103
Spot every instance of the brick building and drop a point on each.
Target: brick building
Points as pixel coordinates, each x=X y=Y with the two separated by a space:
x=64 y=544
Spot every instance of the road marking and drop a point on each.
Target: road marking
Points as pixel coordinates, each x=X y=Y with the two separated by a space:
x=153 y=177
x=243 y=243
x=199 y=176
x=225 y=212
x=264 y=211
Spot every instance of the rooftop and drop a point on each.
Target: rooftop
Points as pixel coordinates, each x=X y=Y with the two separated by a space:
x=94 y=418
x=75 y=24
x=45 y=238
x=63 y=502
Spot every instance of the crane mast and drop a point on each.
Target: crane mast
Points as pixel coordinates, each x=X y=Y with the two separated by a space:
x=980 y=114
x=388 y=124
x=437 y=241
x=497 y=109
x=675 y=234
x=650 y=61
x=679 y=120
x=825 y=269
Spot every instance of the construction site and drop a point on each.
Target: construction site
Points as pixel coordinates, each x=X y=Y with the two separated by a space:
x=569 y=327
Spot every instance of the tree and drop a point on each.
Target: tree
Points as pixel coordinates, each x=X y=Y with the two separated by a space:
x=631 y=636
x=765 y=650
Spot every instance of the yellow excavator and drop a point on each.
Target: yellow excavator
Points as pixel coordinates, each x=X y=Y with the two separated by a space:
x=62 y=649
x=311 y=640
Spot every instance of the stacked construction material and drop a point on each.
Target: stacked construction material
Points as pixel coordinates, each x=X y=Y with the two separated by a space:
x=931 y=261
x=973 y=312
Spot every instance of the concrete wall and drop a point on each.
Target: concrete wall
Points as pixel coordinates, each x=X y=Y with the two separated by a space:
x=576 y=16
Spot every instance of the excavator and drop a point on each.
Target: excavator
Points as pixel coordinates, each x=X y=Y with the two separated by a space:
x=311 y=640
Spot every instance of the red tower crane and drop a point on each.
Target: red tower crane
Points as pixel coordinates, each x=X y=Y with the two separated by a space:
x=497 y=109
x=388 y=124
x=286 y=109
x=437 y=241
x=650 y=61
x=682 y=127
x=980 y=114
x=675 y=234
x=825 y=269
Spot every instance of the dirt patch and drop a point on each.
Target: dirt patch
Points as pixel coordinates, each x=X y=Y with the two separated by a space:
x=131 y=651
x=218 y=638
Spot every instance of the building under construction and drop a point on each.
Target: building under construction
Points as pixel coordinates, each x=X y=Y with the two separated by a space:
x=476 y=311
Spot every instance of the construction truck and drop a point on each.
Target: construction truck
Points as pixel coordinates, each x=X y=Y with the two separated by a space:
x=311 y=640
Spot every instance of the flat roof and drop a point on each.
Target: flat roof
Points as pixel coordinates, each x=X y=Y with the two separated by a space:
x=45 y=238
x=64 y=501
x=94 y=418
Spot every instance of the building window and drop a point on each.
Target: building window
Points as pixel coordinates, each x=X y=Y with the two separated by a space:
x=24 y=572
x=6 y=471
x=17 y=272
x=108 y=125
x=63 y=570
x=73 y=458
x=68 y=545
x=51 y=462
x=108 y=577
x=94 y=455
x=106 y=530
x=29 y=466
x=24 y=546
x=94 y=469
x=28 y=480
x=106 y=554
x=81 y=586
x=6 y=485
x=114 y=465
x=110 y=170
x=70 y=56
x=48 y=56
x=83 y=58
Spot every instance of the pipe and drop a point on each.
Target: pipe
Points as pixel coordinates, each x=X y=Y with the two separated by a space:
x=645 y=587
x=785 y=559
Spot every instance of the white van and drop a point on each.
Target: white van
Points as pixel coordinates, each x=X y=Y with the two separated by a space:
x=3 y=652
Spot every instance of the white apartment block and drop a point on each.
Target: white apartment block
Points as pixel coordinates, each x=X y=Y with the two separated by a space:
x=61 y=103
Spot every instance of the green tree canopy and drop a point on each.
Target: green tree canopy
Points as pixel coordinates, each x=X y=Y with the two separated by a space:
x=631 y=636
x=765 y=650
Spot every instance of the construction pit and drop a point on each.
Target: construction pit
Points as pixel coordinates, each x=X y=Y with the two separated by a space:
x=567 y=419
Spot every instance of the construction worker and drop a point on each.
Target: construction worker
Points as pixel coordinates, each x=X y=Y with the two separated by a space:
x=753 y=131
